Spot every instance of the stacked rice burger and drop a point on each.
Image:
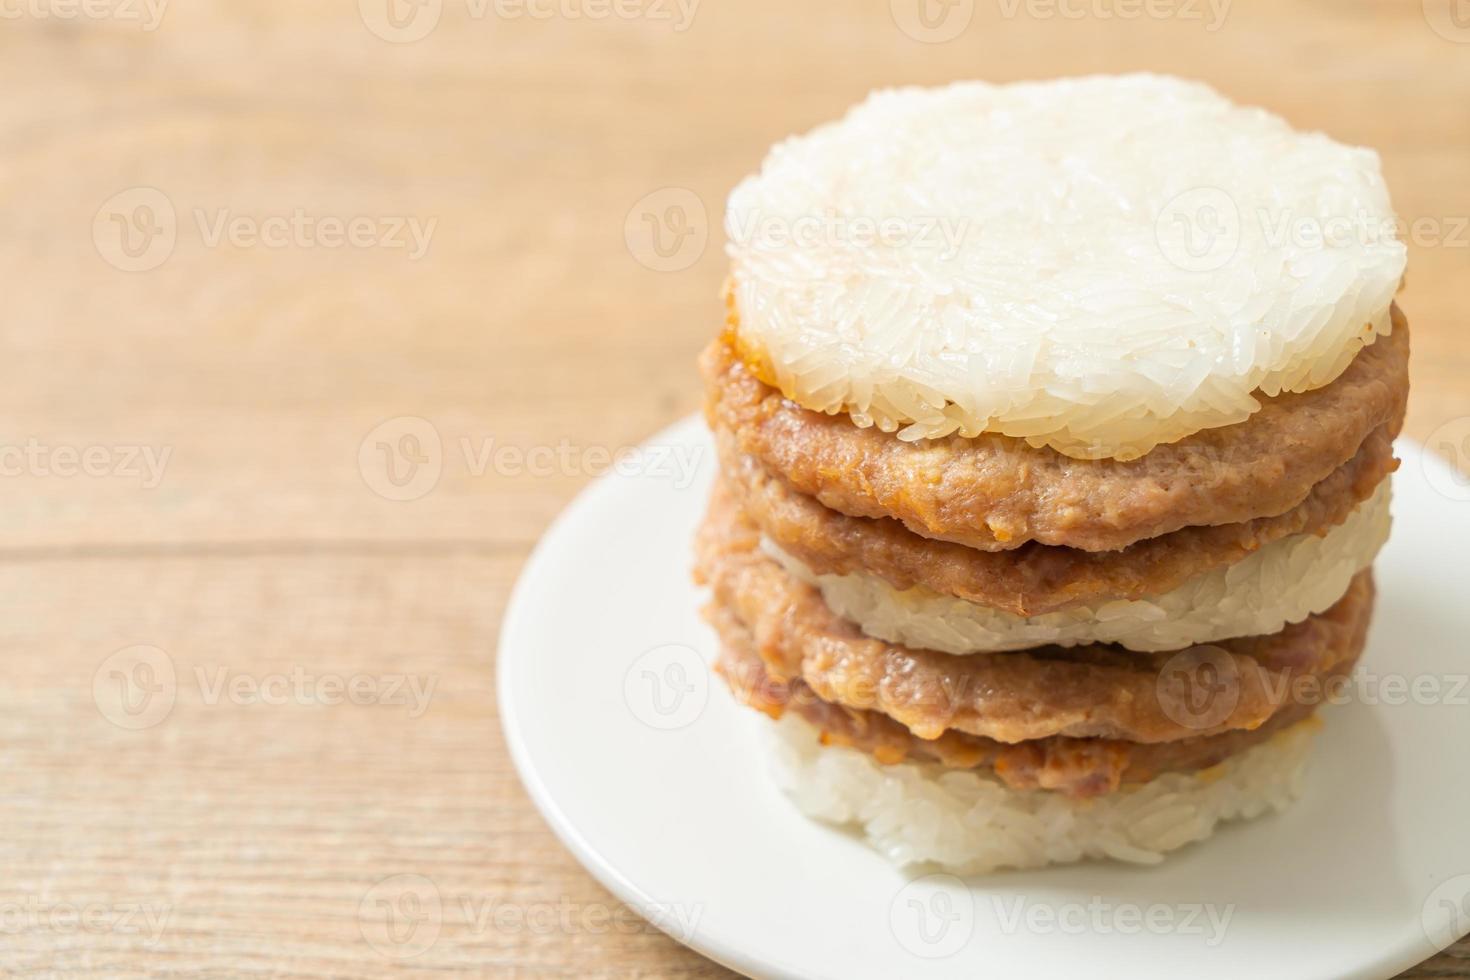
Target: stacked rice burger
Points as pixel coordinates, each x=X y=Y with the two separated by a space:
x=1055 y=424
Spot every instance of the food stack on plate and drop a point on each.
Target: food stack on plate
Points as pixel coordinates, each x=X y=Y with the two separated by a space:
x=1055 y=424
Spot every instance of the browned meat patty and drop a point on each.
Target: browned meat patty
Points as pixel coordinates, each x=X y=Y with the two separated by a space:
x=996 y=493
x=1081 y=767
x=1088 y=691
x=1034 y=578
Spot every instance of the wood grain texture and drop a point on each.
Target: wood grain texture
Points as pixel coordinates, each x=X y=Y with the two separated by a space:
x=251 y=829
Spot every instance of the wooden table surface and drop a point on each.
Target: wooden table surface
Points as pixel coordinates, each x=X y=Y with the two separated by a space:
x=249 y=689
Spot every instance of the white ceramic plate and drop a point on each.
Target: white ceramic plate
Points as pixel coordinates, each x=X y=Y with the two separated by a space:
x=656 y=781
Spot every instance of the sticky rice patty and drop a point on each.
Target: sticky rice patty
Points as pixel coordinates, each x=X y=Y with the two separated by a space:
x=1035 y=578
x=996 y=493
x=1086 y=691
x=1078 y=767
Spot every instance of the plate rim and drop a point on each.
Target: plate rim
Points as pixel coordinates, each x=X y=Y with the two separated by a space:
x=541 y=796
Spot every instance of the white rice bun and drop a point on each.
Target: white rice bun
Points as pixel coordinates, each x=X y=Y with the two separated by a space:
x=971 y=823
x=1097 y=264
x=1284 y=582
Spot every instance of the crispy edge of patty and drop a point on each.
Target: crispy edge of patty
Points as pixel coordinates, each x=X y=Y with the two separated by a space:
x=1035 y=578
x=1097 y=690
x=1077 y=767
x=996 y=493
